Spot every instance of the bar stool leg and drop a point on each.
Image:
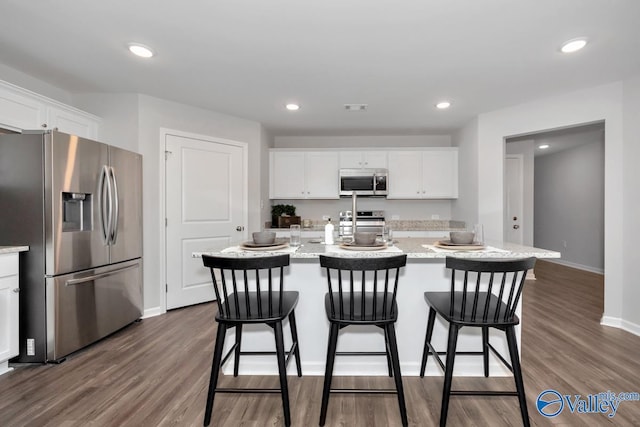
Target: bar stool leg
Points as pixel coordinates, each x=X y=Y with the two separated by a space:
x=215 y=369
x=328 y=373
x=294 y=338
x=282 y=369
x=485 y=350
x=236 y=359
x=517 y=373
x=426 y=351
x=386 y=346
x=448 y=373
x=391 y=333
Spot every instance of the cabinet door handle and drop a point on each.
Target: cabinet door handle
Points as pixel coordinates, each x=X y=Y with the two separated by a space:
x=16 y=290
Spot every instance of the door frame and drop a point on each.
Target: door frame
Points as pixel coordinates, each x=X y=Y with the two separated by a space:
x=164 y=132
x=520 y=158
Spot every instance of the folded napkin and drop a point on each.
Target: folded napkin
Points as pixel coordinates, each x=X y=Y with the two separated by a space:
x=452 y=250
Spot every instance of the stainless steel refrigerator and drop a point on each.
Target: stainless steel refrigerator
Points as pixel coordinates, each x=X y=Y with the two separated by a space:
x=77 y=203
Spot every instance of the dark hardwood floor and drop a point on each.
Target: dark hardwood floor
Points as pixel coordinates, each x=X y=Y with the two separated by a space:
x=155 y=373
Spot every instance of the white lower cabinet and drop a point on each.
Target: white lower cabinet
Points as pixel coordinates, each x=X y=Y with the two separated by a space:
x=9 y=301
x=303 y=175
x=423 y=174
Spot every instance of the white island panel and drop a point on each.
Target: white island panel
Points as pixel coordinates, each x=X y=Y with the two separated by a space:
x=425 y=271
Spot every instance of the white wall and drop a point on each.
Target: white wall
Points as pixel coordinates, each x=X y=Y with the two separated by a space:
x=631 y=205
x=466 y=207
x=362 y=141
x=120 y=116
x=266 y=143
x=581 y=107
x=40 y=87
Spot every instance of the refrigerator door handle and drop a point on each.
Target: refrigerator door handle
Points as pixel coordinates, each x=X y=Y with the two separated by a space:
x=113 y=235
x=104 y=199
x=93 y=277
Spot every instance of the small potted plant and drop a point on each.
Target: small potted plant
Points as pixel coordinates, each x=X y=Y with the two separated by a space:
x=282 y=216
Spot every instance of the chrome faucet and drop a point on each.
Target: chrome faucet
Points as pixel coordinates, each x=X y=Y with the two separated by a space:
x=354 y=212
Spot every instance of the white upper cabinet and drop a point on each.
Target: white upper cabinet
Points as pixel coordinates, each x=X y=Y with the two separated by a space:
x=18 y=112
x=423 y=174
x=303 y=174
x=363 y=159
x=72 y=122
x=21 y=109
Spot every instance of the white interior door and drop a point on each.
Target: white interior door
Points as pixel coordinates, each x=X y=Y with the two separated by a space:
x=206 y=193
x=514 y=189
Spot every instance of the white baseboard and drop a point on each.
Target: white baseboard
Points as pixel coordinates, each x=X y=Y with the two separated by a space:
x=619 y=323
x=152 y=312
x=575 y=265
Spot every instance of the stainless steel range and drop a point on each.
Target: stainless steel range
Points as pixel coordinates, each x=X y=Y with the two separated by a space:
x=365 y=221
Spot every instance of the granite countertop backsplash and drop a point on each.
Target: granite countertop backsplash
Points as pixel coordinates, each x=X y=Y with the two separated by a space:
x=425 y=225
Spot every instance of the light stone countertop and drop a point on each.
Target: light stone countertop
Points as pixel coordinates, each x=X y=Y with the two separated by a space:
x=413 y=247
x=13 y=249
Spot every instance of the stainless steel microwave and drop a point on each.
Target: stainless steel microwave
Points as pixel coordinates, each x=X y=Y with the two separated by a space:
x=365 y=182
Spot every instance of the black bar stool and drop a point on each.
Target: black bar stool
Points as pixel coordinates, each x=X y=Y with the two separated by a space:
x=266 y=303
x=350 y=302
x=486 y=298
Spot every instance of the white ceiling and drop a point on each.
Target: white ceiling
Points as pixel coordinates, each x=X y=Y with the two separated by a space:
x=250 y=57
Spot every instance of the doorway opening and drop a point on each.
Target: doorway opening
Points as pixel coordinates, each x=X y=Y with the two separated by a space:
x=562 y=192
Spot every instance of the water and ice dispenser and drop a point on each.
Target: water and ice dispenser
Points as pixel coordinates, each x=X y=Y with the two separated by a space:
x=76 y=211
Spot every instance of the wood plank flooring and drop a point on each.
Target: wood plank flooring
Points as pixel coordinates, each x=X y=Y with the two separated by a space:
x=155 y=373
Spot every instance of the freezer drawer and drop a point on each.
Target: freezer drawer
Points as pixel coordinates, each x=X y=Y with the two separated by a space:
x=86 y=306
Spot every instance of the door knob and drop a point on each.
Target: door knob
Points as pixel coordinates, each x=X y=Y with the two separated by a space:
x=16 y=290
x=515 y=227
x=239 y=228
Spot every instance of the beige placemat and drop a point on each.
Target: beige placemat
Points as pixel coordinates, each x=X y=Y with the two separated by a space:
x=339 y=250
x=452 y=250
x=238 y=249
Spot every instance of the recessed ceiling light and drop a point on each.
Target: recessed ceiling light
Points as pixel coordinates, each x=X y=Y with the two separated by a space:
x=140 y=50
x=292 y=107
x=573 y=45
x=443 y=105
x=543 y=146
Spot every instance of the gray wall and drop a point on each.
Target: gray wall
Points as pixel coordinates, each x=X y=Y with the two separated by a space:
x=569 y=204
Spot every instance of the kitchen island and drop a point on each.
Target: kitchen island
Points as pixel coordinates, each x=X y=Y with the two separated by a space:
x=424 y=271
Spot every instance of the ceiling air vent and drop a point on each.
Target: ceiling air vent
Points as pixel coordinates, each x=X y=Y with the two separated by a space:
x=355 y=107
